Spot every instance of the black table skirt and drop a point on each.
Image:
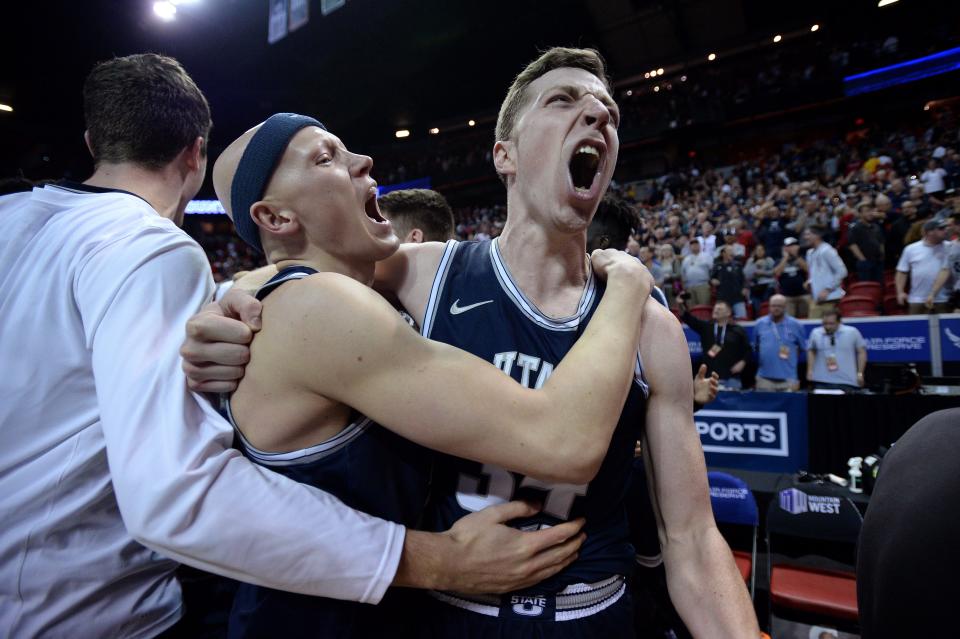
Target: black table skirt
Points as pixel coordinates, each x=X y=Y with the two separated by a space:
x=844 y=426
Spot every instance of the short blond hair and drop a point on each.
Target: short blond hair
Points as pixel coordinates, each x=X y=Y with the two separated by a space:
x=556 y=58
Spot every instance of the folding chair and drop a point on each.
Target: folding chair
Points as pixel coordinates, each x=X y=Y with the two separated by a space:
x=811 y=537
x=735 y=510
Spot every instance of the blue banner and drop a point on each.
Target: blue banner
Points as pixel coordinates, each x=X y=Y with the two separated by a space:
x=889 y=339
x=950 y=337
x=755 y=431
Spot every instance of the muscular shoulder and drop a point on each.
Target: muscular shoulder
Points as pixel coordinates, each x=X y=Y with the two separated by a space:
x=325 y=297
x=662 y=342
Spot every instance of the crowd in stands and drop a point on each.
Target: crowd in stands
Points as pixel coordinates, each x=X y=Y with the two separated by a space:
x=741 y=233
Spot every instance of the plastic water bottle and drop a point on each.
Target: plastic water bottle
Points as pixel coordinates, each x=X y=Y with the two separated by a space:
x=855 y=474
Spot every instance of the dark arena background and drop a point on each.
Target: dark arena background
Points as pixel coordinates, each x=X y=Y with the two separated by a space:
x=789 y=173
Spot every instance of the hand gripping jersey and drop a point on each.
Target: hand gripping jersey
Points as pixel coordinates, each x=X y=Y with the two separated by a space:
x=475 y=305
x=368 y=468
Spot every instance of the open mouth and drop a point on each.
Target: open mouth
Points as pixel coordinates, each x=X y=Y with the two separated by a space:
x=584 y=167
x=372 y=209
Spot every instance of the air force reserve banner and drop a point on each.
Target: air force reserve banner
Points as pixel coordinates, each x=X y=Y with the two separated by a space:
x=755 y=431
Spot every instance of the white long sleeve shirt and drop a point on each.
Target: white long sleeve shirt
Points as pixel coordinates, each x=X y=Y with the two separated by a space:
x=110 y=469
x=826 y=271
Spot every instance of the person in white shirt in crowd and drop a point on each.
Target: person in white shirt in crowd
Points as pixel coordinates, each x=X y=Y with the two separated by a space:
x=695 y=273
x=933 y=179
x=949 y=277
x=921 y=263
x=836 y=355
x=778 y=341
x=111 y=470
x=708 y=241
x=826 y=272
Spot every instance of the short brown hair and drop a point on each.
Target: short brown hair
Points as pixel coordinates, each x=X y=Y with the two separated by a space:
x=555 y=58
x=143 y=109
x=422 y=209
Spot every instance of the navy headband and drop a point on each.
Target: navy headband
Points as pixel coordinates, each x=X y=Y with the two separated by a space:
x=257 y=164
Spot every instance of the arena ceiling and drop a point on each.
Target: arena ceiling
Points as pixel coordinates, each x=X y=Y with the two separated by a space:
x=368 y=68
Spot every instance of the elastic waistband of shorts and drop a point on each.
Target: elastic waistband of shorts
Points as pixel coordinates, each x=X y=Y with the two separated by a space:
x=576 y=601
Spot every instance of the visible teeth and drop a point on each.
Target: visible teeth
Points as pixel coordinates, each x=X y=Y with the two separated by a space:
x=580 y=189
x=588 y=149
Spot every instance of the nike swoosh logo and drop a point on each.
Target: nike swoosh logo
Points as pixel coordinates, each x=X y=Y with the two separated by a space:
x=456 y=310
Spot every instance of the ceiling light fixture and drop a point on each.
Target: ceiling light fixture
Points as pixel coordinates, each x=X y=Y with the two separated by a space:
x=815 y=27
x=777 y=38
x=165 y=10
x=402 y=133
x=712 y=57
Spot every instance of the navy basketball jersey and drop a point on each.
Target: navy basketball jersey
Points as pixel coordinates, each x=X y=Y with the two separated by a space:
x=475 y=305
x=369 y=469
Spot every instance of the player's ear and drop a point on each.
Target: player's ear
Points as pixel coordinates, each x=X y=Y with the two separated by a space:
x=504 y=157
x=274 y=219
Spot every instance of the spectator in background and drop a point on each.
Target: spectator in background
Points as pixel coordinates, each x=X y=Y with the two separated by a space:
x=418 y=215
x=949 y=275
x=646 y=258
x=725 y=344
x=759 y=275
x=771 y=230
x=921 y=262
x=695 y=274
x=826 y=272
x=933 y=179
x=778 y=341
x=670 y=271
x=736 y=249
x=865 y=238
x=836 y=355
x=708 y=240
x=744 y=236
x=727 y=276
x=899 y=229
x=792 y=274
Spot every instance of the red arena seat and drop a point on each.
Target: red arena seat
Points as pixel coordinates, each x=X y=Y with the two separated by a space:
x=858 y=306
x=873 y=290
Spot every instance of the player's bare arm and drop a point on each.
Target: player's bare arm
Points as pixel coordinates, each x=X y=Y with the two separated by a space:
x=702 y=578
x=343 y=346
